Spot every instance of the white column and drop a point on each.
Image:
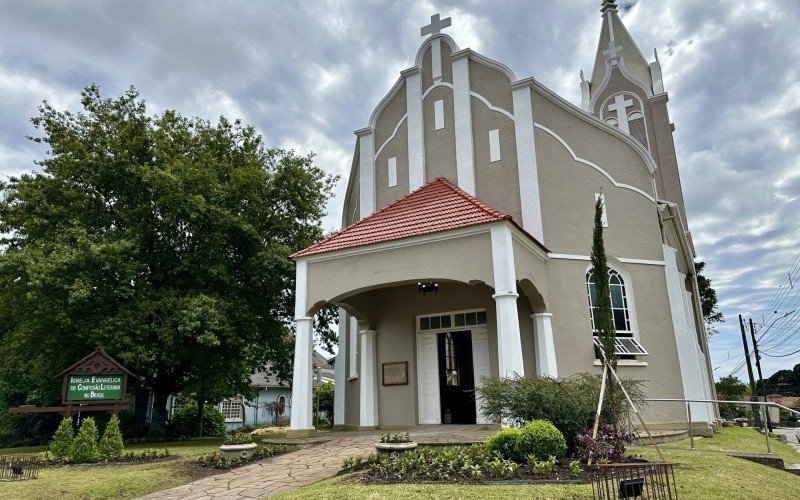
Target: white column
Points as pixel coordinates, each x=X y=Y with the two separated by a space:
x=509 y=344
x=526 y=158
x=545 y=347
x=685 y=339
x=436 y=59
x=341 y=372
x=301 y=419
x=369 y=380
x=366 y=172
x=462 y=119
x=416 y=139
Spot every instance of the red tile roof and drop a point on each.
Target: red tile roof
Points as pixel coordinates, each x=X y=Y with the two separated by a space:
x=435 y=207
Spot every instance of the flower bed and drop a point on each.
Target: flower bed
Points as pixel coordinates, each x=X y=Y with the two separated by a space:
x=47 y=459
x=217 y=460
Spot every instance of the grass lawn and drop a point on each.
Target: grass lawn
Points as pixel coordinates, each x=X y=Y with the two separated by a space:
x=114 y=481
x=705 y=473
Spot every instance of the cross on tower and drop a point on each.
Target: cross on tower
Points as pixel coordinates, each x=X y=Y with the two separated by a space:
x=612 y=50
x=619 y=106
x=435 y=27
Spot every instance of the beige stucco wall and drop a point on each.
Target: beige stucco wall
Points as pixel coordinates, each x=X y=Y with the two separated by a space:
x=397 y=147
x=393 y=312
x=438 y=260
x=440 y=145
x=573 y=336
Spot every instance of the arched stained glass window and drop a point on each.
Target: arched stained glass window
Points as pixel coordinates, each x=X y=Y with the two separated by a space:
x=619 y=300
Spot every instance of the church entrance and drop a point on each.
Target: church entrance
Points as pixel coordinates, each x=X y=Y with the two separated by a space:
x=456 y=378
x=452 y=359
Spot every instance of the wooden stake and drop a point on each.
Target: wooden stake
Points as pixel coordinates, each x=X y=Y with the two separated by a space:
x=599 y=406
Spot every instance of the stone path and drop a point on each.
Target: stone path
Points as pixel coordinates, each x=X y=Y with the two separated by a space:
x=308 y=465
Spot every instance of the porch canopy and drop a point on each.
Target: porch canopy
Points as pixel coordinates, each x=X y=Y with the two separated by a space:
x=436 y=233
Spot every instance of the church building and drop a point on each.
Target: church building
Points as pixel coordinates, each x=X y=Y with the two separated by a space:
x=466 y=234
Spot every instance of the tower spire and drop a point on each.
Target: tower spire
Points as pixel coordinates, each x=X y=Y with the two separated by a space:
x=608 y=5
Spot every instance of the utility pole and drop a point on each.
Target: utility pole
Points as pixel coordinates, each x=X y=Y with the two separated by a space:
x=760 y=376
x=753 y=392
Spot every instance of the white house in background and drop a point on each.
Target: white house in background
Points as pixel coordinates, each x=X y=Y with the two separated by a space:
x=273 y=398
x=466 y=235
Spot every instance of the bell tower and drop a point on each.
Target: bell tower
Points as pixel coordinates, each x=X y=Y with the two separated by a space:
x=626 y=91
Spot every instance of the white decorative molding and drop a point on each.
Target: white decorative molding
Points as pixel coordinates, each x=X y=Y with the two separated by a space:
x=436 y=59
x=462 y=116
x=373 y=118
x=440 y=36
x=399 y=243
x=490 y=106
x=545 y=347
x=509 y=345
x=646 y=262
x=494 y=145
x=301 y=288
x=604 y=214
x=685 y=340
x=528 y=170
x=389 y=139
x=438 y=114
x=566 y=256
x=436 y=85
x=416 y=140
x=391 y=165
x=368 y=387
x=595 y=121
x=366 y=171
x=623 y=362
x=340 y=381
x=593 y=165
x=469 y=53
x=620 y=105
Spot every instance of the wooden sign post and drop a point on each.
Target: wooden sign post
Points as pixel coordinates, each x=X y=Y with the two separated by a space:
x=95 y=383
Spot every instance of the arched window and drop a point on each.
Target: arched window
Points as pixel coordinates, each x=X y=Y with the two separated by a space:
x=636 y=127
x=619 y=301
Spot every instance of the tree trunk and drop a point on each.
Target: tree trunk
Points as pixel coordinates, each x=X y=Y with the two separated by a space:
x=158 y=420
x=201 y=401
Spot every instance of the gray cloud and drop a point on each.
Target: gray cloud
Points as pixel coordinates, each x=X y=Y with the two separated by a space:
x=308 y=74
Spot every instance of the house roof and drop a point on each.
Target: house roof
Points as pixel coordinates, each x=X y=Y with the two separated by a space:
x=435 y=207
x=269 y=377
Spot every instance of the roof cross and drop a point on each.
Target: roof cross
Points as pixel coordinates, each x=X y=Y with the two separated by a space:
x=612 y=50
x=620 y=106
x=435 y=27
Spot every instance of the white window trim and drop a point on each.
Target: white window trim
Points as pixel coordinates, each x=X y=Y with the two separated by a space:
x=452 y=327
x=391 y=167
x=629 y=290
x=494 y=145
x=438 y=114
x=237 y=400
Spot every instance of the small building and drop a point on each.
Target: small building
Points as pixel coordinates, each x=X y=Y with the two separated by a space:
x=272 y=402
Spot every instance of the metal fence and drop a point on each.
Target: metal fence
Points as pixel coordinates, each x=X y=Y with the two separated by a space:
x=18 y=468
x=652 y=481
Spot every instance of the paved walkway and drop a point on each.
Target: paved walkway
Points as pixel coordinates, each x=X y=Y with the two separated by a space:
x=308 y=465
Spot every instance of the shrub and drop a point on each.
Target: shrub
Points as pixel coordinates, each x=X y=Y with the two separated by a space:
x=282 y=421
x=503 y=443
x=131 y=425
x=395 y=437
x=61 y=446
x=217 y=461
x=111 y=445
x=569 y=403
x=84 y=447
x=470 y=463
x=542 y=469
x=238 y=438
x=575 y=468
x=609 y=445
x=184 y=422
x=541 y=439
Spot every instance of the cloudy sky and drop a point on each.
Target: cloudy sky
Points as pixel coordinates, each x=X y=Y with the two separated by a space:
x=309 y=73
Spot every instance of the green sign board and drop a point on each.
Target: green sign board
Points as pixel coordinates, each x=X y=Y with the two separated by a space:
x=94 y=387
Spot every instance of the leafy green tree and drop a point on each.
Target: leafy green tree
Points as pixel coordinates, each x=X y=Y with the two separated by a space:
x=61 y=446
x=84 y=447
x=603 y=320
x=111 y=445
x=732 y=389
x=708 y=300
x=162 y=239
x=323 y=401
